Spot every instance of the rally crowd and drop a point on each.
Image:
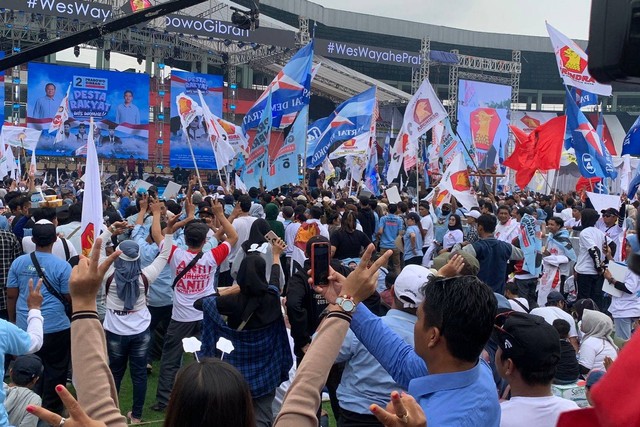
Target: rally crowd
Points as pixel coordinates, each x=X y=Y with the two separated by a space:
x=456 y=316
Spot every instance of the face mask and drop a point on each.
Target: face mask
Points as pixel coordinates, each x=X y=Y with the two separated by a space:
x=446 y=212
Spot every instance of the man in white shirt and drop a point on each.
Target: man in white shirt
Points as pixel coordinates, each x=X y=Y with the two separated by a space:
x=610 y=225
x=71 y=230
x=427 y=224
x=575 y=221
x=555 y=310
x=527 y=357
x=590 y=263
x=567 y=212
x=508 y=228
x=62 y=248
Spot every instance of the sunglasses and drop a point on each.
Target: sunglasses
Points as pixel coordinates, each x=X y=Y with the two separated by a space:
x=608 y=215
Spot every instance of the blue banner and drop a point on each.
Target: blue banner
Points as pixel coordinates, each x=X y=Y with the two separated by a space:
x=371 y=173
x=583 y=98
x=350 y=119
x=1 y=93
x=631 y=143
x=256 y=165
x=118 y=103
x=386 y=155
x=530 y=244
x=211 y=88
x=283 y=159
x=289 y=91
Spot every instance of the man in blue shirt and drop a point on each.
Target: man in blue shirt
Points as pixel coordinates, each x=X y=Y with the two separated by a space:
x=56 y=347
x=364 y=381
x=444 y=373
x=389 y=227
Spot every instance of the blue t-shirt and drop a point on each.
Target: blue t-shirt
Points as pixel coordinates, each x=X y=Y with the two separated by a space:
x=57 y=272
x=391 y=225
x=12 y=341
x=409 y=251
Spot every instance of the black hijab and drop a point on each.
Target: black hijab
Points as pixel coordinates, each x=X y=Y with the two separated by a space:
x=259 y=228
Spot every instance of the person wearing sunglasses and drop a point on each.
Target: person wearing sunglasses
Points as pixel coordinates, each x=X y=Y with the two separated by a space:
x=527 y=357
x=610 y=223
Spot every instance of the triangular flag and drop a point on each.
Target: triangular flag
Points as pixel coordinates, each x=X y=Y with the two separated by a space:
x=92 y=216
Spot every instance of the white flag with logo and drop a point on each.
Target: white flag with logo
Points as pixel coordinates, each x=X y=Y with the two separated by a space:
x=572 y=64
x=455 y=182
x=21 y=137
x=4 y=166
x=222 y=150
x=423 y=112
x=92 y=216
x=62 y=115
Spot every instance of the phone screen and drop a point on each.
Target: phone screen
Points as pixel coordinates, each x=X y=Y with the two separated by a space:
x=320 y=263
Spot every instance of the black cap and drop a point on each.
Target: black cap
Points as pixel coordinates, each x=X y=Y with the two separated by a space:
x=26 y=369
x=207 y=210
x=529 y=340
x=609 y=211
x=44 y=233
x=555 y=296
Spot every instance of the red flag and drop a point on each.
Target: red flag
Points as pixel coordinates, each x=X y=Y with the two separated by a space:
x=522 y=160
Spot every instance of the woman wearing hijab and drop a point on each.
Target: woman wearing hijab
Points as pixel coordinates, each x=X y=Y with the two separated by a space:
x=596 y=342
x=625 y=309
x=454 y=235
x=257 y=242
x=271 y=214
x=127 y=319
x=255 y=326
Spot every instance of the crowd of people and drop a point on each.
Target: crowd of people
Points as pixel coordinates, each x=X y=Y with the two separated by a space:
x=432 y=315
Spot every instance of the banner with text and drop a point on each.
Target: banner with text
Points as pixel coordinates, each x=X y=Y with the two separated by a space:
x=358 y=52
x=196 y=131
x=2 y=73
x=88 y=11
x=118 y=103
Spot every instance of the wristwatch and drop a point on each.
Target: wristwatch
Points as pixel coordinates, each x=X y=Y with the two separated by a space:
x=346 y=303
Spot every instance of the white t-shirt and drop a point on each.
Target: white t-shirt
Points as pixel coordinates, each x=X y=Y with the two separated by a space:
x=593 y=351
x=517 y=307
x=589 y=237
x=508 y=231
x=58 y=248
x=197 y=283
x=72 y=233
x=628 y=305
x=534 y=411
x=552 y=313
x=452 y=237
x=427 y=225
x=612 y=232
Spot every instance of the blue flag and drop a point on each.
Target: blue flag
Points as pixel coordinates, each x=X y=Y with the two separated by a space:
x=583 y=98
x=425 y=163
x=591 y=154
x=633 y=185
x=530 y=244
x=385 y=154
x=371 y=180
x=631 y=143
x=283 y=164
x=289 y=90
x=350 y=119
x=256 y=164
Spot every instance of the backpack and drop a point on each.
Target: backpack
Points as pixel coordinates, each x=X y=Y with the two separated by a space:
x=306 y=231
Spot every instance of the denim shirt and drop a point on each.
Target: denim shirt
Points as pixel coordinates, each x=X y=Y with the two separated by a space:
x=466 y=398
x=364 y=381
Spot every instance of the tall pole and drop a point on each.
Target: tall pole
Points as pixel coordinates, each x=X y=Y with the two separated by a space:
x=193 y=157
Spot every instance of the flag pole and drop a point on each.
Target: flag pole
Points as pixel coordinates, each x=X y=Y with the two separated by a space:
x=193 y=157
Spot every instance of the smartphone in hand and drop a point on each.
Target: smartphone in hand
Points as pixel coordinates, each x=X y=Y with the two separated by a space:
x=271 y=237
x=320 y=256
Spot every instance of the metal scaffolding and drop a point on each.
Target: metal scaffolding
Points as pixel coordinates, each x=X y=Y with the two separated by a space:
x=419 y=74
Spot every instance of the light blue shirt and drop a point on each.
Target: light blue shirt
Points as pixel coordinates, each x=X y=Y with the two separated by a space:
x=467 y=398
x=128 y=114
x=12 y=341
x=364 y=381
x=160 y=291
x=391 y=225
x=57 y=272
x=409 y=250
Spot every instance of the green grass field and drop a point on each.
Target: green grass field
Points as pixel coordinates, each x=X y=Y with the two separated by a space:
x=155 y=419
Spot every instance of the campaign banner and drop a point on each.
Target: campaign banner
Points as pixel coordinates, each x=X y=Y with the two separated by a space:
x=118 y=103
x=1 y=93
x=195 y=132
x=208 y=27
x=359 y=52
x=483 y=119
x=87 y=11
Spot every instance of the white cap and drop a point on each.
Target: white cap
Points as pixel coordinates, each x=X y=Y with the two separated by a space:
x=409 y=283
x=473 y=214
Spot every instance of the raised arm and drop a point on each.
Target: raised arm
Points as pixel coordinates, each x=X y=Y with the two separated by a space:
x=229 y=230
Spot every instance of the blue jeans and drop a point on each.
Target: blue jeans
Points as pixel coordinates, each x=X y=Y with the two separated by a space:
x=623 y=326
x=132 y=348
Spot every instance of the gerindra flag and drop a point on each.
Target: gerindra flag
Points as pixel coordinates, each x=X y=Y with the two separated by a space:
x=351 y=119
x=572 y=64
x=423 y=112
x=222 y=150
x=289 y=90
x=21 y=137
x=455 y=182
x=92 y=216
x=62 y=115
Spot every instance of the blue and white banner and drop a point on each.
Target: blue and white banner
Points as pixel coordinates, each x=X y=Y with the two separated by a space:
x=283 y=159
x=530 y=244
x=256 y=164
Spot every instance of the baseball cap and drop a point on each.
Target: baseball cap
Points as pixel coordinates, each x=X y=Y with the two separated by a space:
x=207 y=210
x=44 y=233
x=528 y=339
x=593 y=377
x=471 y=263
x=609 y=211
x=25 y=369
x=301 y=198
x=555 y=296
x=473 y=214
x=409 y=283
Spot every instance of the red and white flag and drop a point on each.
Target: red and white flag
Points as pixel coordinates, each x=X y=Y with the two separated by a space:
x=62 y=115
x=188 y=109
x=572 y=64
x=455 y=181
x=92 y=216
x=134 y=130
x=222 y=150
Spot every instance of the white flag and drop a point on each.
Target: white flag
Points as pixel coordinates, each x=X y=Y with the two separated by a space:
x=4 y=166
x=572 y=64
x=62 y=115
x=92 y=217
x=240 y=185
x=626 y=174
x=11 y=160
x=357 y=146
x=423 y=112
x=218 y=137
x=21 y=137
x=33 y=166
x=455 y=182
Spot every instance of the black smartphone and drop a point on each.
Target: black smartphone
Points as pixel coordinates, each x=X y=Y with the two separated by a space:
x=320 y=255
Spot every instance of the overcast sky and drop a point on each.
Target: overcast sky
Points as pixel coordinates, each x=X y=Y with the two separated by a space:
x=571 y=17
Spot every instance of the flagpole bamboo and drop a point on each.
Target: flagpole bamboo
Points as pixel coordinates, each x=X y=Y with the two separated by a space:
x=193 y=157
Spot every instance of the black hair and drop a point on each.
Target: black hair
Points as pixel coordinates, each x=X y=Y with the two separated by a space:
x=245 y=203
x=512 y=288
x=44 y=213
x=463 y=308
x=128 y=91
x=488 y=223
x=349 y=222
x=253 y=192
x=424 y=205
x=75 y=212
x=559 y=221
x=504 y=207
x=210 y=393
x=316 y=212
x=287 y=212
x=570 y=202
x=390 y=279
x=393 y=208
x=579 y=306
x=589 y=217
x=563 y=328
